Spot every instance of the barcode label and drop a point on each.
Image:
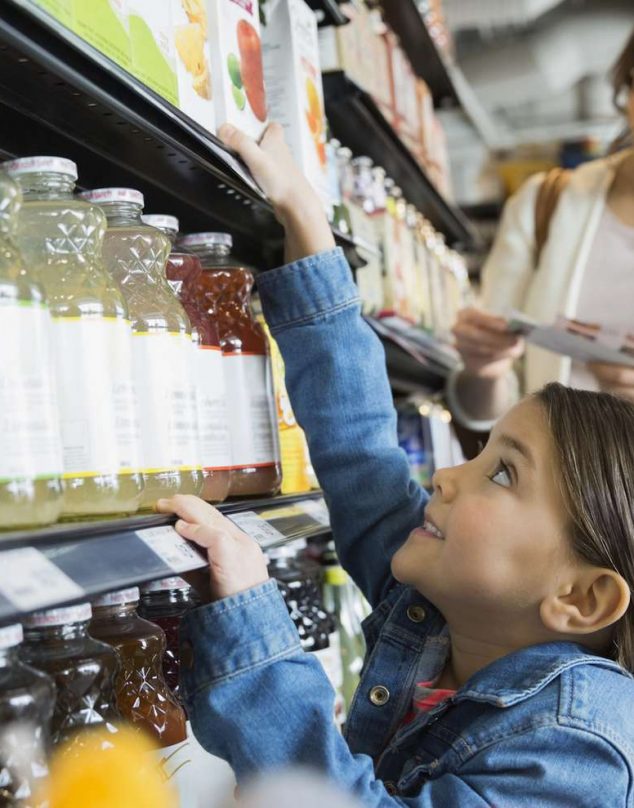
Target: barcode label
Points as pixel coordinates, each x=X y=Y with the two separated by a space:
x=256 y=527
x=316 y=509
x=173 y=549
x=30 y=581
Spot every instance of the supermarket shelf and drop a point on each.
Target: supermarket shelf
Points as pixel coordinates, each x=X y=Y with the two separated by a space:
x=59 y=95
x=404 y=18
x=328 y=12
x=74 y=561
x=357 y=122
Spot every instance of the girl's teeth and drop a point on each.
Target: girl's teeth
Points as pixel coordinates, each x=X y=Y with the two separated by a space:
x=433 y=530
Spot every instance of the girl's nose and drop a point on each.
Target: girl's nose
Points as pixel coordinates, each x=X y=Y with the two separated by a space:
x=444 y=483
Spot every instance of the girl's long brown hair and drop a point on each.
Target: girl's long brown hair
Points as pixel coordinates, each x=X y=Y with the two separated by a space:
x=622 y=76
x=593 y=434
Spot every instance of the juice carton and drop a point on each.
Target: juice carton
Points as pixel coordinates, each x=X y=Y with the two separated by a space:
x=236 y=60
x=293 y=79
x=190 y=33
x=104 y=24
x=152 y=46
x=61 y=10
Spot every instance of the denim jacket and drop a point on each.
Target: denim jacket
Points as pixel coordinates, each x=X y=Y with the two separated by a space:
x=549 y=725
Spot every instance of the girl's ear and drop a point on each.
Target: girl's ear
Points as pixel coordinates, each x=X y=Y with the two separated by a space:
x=596 y=599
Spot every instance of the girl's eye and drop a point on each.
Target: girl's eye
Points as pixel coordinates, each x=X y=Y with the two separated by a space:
x=502 y=476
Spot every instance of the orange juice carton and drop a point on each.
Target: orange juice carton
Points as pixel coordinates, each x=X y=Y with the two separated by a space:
x=293 y=78
x=152 y=46
x=190 y=34
x=236 y=64
x=101 y=23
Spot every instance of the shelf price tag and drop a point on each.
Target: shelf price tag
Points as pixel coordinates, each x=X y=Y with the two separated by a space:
x=171 y=548
x=316 y=509
x=31 y=581
x=259 y=529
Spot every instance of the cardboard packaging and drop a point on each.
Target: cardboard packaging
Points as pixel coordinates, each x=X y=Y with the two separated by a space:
x=236 y=60
x=295 y=92
x=104 y=24
x=61 y=10
x=190 y=32
x=152 y=46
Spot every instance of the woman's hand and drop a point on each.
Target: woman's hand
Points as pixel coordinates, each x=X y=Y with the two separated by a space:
x=297 y=206
x=615 y=379
x=236 y=561
x=485 y=344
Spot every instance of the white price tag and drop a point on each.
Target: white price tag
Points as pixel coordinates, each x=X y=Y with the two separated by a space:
x=256 y=527
x=316 y=509
x=30 y=581
x=171 y=548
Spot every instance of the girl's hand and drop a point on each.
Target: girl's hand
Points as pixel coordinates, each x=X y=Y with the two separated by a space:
x=236 y=561
x=615 y=379
x=297 y=206
x=485 y=344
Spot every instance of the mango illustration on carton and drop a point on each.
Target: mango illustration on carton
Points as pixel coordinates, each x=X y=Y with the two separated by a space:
x=193 y=61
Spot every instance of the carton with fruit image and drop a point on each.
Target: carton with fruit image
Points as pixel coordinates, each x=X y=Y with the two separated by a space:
x=236 y=58
x=193 y=61
x=152 y=46
x=293 y=80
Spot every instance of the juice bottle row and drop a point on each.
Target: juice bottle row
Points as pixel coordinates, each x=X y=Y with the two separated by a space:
x=132 y=368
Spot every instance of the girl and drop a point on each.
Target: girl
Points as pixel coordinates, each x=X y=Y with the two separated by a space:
x=501 y=637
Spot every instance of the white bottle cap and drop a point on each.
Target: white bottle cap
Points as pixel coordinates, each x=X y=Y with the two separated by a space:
x=130 y=595
x=11 y=636
x=104 y=196
x=36 y=165
x=165 y=584
x=161 y=221
x=58 y=617
x=204 y=239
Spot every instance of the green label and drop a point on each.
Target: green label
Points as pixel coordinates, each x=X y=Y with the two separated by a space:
x=149 y=63
x=98 y=23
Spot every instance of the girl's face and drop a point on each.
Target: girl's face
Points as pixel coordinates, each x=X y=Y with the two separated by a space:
x=494 y=545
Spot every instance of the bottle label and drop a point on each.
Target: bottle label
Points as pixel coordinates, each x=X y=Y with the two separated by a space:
x=127 y=429
x=167 y=401
x=29 y=431
x=213 y=424
x=85 y=383
x=250 y=410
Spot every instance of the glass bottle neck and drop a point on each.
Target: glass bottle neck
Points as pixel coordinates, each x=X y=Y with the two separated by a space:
x=219 y=253
x=69 y=631
x=170 y=597
x=8 y=656
x=123 y=213
x=118 y=611
x=47 y=185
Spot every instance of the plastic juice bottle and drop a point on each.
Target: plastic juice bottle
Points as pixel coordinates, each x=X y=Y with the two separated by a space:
x=56 y=641
x=26 y=706
x=61 y=236
x=136 y=254
x=30 y=449
x=182 y=271
x=224 y=289
x=164 y=603
x=143 y=696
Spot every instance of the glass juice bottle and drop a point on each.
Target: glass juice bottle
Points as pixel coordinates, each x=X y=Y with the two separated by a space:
x=183 y=270
x=56 y=641
x=60 y=237
x=164 y=603
x=30 y=450
x=143 y=696
x=225 y=289
x=26 y=706
x=135 y=254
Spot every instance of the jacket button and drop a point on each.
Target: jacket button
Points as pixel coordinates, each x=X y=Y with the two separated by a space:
x=416 y=614
x=379 y=695
x=187 y=654
x=390 y=787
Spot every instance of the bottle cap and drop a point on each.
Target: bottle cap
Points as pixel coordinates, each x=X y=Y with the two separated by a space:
x=36 y=165
x=206 y=239
x=166 y=584
x=106 y=196
x=161 y=221
x=11 y=636
x=59 y=617
x=129 y=595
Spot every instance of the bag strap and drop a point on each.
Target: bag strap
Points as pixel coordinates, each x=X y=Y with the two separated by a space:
x=547 y=197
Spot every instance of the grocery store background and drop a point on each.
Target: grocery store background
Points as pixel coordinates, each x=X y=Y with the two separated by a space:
x=415 y=120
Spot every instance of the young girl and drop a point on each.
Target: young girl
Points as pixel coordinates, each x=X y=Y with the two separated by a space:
x=503 y=629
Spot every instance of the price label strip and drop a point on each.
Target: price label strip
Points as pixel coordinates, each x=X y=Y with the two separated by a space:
x=30 y=581
x=259 y=529
x=171 y=548
x=317 y=510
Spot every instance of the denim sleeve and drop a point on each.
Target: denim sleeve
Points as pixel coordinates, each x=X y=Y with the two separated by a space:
x=338 y=385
